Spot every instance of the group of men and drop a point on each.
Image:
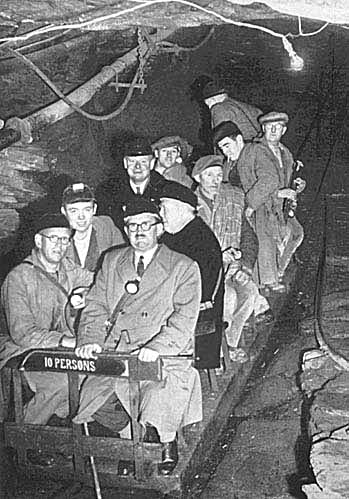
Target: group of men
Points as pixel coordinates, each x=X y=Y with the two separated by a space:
x=185 y=262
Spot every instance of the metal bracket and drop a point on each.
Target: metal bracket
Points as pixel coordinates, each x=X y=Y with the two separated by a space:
x=117 y=84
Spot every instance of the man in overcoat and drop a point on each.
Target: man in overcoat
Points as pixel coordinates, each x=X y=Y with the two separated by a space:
x=159 y=318
x=187 y=233
x=92 y=234
x=222 y=207
x=265 y=167
x=138 y=178
x=37 y=315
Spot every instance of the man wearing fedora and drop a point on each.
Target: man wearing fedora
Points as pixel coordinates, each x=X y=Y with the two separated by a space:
x=225 y=108
x=265 y=167
x=160 y=291
x=171 y=153
x=138 y=178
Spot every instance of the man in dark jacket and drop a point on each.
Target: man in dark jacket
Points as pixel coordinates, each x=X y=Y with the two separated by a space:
x=188 y=234
x=140 y=179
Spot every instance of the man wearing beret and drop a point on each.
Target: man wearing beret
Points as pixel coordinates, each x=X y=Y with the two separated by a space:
x=171 y=153
x=225 y=108
x=222 y=207
x=265 y=167
x=138 y=178
x=188 y=234
x=34 y=297
x=92 y=235
x=162 y=290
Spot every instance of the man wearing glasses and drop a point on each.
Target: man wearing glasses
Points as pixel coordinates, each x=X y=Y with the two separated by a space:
x=34 y=299
x=158 y=319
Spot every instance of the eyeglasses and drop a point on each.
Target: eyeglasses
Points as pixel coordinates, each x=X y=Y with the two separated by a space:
x=145 y=226
x=65 y=240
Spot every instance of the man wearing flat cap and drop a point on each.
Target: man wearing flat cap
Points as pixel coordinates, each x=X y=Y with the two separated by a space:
x=138 y=178
x=222 y=207
x=265 y=167
x=225 y=108
x=188 y=234
x=171 y=152
x=228 y=139
x=92 y=235
x=35 y=300
x=162 y=290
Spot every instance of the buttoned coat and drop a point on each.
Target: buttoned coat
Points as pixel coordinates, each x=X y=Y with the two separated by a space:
x=161 y=316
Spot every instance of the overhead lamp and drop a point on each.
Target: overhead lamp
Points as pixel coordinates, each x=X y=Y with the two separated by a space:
x=296 y=62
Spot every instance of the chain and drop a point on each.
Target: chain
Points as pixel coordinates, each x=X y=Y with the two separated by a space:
x=144 y=50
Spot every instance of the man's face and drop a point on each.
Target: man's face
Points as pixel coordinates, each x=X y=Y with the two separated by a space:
x=168 y=156
x=230 y=147
x=172 y=211
x=210 y=180
x=80 y=214
x=53 y=244
x=138 y=167
x=140 y=238
x=274 y=131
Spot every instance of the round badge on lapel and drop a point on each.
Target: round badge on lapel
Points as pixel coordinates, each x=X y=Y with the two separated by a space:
x=132 y=287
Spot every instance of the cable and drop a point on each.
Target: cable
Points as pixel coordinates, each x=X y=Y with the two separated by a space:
x=187 y=49
x=68 y=101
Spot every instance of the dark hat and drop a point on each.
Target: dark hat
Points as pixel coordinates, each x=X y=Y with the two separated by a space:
x=273 y=116
x=225 y=129
x=77 y=192
x=211 y=89
x=206 y=162
x=138 y=147
x=174 y=190
x=49 y=221
x=139 y=204
x=176 y=141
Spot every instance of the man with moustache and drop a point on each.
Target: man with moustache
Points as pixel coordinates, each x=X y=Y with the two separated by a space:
x=162 y=290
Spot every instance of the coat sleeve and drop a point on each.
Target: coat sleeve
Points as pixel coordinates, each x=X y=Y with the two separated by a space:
x=116 y=236
x=249 y=244
x=22 y=324
x=96 y=312
x=177 y=335
x=256 y=162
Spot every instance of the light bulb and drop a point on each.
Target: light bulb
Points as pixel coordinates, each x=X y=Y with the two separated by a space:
x=296 y=63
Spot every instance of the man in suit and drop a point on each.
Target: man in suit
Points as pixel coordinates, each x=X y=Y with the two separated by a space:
x=92 y=235
x=158 y=318
x=138 y=178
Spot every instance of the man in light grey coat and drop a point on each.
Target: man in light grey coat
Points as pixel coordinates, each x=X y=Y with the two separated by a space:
x=159 y=318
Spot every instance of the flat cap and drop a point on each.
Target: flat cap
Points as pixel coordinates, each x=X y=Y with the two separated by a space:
x=206 y=162
x=174 y=190
x=139 y=146
x=225 y=129
x=76 y=193
x=273 y=116
x=174 y=140
x=50 y=221
x=211 y=89
x=138 y=204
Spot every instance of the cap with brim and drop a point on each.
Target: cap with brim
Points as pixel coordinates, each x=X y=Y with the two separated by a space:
x=273 y=117
x=138 y=205
x=51 y=221
x=174 y=190
x=138 y=147
x=206 y=162
x=211 y=89
x=76 y=193
x=174 y=141
x=225 y=129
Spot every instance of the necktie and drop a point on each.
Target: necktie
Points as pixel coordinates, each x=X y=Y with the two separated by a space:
x=140 y=266
x=138 y=189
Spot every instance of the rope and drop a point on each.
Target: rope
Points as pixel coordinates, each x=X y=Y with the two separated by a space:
x=178 y=48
